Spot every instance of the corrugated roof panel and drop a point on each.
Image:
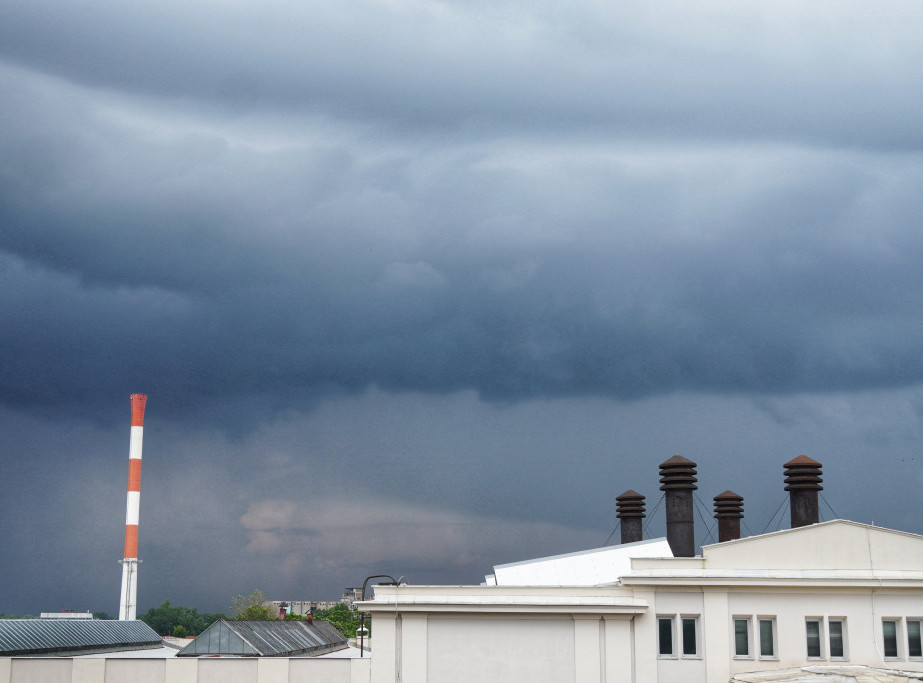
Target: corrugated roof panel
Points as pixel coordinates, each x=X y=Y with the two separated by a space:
x=266 y=638
x=41 y=636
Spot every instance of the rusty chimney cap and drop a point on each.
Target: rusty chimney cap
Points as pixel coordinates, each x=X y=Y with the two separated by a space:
x=629 y=504
x=677 y=461
x=630 y=495
x=678 y=473
x=802 y=461
x=803 y=473
x=729 y=505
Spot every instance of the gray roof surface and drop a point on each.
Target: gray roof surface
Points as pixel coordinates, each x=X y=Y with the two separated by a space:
x=265 y=639
x=64 y=637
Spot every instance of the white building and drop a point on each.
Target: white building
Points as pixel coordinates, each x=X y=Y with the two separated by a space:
x=834 y=593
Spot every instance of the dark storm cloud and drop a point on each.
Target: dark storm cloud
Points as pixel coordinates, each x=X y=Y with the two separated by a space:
x=199 y=264
x=394 y=260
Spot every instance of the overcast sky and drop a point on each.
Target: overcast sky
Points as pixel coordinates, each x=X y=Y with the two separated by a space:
x=419 y=287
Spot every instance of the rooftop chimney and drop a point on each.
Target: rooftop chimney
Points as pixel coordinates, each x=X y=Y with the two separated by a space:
x=802 y=476
x=677 y=479
x=729 y=508
x=630 y=506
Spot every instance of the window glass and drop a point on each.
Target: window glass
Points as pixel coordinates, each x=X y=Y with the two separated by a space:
x=689 y=629
x=767 y=645
x=914 y=643
x=812 y=630
x=889 y=629
x=835 y=629
x=742 y=637
x=665 y=633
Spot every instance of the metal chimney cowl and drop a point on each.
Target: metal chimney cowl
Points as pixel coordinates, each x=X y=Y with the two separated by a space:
x=630 y=510
x=678 y=481
x=803 y=481
x=729 y=509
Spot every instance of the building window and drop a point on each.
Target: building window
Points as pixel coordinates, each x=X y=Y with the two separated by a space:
x=690 y=631
x=889 y=633
x=767 y=638
x=741 y=637
x=836 y=638
x=914 y=642
x=812 y=632
x=665 y=636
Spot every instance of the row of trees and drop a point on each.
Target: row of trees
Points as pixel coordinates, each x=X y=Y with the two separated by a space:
x=168 y=620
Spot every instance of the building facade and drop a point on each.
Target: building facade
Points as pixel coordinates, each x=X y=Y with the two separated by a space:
x=833 y=593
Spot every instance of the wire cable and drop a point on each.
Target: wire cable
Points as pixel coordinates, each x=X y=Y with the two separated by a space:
x=778 y=509
x=650 y=517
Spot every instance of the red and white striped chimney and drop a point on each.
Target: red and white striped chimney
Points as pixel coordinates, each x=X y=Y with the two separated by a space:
x=129 y=600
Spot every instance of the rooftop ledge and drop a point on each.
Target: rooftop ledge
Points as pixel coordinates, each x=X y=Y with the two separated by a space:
x=791 y=577
x=559 y=599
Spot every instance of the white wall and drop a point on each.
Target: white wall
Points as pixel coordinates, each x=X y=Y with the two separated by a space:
x=226 y=670
x=503 y=648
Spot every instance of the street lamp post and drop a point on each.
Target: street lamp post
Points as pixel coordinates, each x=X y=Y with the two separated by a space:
x=392 y=582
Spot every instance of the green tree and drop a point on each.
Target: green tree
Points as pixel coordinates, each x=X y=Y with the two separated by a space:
x=179 y=631
x=253 y=607
x=344 y=620
x=165 y=618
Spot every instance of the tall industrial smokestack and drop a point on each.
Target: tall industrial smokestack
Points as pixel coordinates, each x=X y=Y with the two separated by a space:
x=677 y=478
x=630 y=506
x=729 y=509
x=802 y=476
x=129 y=599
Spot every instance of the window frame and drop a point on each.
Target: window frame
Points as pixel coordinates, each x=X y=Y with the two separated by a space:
x=843 y=639
x=694 y=618
x=747 y=621
x=919 y=622
x=670 y=619
x=897 y=639
x=771 y=620
x=820 y=638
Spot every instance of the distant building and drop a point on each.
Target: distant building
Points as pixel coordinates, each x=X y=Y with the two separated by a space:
x=301 y=607
x=351 y=596
x=66 y=614
x=305 y=607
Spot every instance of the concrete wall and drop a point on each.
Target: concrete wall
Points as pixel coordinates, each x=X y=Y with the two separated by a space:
x=124 y=670
x=500 y=648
